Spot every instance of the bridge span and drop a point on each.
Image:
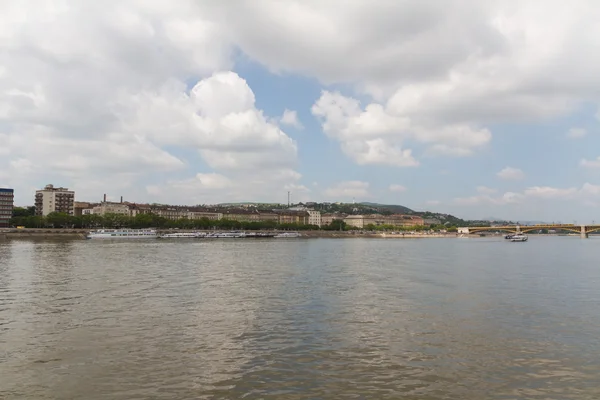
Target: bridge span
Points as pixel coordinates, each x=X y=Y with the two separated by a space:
x=583 y=230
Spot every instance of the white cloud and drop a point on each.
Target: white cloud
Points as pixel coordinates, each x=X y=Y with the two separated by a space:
x=397 y=188
x=510 y=173
x=290 y=118
x=348 y=189
x=590 y=163
x=586 y=193
x=374 y=135
x=498 y=63
x=547 y=192
x=576 y=133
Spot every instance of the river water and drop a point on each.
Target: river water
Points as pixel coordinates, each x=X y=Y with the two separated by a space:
x=300 y=319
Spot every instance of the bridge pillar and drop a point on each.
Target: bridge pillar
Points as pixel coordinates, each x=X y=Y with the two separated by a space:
x=584 y=234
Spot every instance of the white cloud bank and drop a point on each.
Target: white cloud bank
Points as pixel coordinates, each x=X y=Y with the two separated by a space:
x=94 y=95
x=510 y=173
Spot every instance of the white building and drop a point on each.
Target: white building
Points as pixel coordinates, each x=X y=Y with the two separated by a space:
x=314 y=218
x=51 y=199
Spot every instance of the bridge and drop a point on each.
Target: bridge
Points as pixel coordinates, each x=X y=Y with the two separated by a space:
x=583 y=230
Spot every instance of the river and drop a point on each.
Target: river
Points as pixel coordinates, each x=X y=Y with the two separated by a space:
x=476 y=318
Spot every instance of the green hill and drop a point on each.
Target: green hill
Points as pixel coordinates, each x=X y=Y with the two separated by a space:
x=396 y=209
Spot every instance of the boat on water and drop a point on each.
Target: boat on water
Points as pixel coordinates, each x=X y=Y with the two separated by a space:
x=122 y=234
x=519 y=237
x=183 y=235
x=226 y=235
x=288 y=235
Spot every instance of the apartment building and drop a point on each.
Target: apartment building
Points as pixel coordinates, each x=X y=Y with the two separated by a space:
x=6 y=206
x=293 y=217
x=327 y=219
x=314 y=218
x=362 y=221
x=107 y=207
x=197 y=213
x=51 y=199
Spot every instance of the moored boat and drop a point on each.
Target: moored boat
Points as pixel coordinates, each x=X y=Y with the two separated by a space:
x=122 y=234
x=288 y=235
x=519 y=237
x=183 y=235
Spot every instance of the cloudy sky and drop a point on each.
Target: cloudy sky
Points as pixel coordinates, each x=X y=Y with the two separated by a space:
x=480 y=109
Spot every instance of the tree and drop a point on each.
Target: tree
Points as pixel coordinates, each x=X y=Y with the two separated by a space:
x=23 y=211
x=58 y=220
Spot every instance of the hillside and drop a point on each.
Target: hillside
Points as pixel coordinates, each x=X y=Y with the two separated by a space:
x=396 y=209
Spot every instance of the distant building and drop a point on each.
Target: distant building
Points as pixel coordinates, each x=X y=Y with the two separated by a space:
x=111 y=208
x=79 y=208
x=6 y=206
x=431 y=221
x=51 y=199
x=327 y=219
x=200 y=213
x=314 y=218
x=293 y=217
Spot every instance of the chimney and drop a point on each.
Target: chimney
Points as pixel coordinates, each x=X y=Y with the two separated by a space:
x=104 y=197
x=121 y=199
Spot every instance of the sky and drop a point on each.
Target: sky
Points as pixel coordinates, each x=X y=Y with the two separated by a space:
x=478 y=109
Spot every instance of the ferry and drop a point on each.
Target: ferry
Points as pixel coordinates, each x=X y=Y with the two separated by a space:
x=519 y=237
x=288 y=235
x=122 y=234
x=183 y=235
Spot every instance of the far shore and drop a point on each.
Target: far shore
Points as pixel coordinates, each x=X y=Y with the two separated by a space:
x=79 y=234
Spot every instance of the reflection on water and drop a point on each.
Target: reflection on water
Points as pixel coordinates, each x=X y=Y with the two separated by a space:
x=296 y=319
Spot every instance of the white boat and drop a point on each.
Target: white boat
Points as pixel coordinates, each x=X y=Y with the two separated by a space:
x=183 y=235
x=122 y=234
x=519 y=237
x=225 y=235
x=288 y=235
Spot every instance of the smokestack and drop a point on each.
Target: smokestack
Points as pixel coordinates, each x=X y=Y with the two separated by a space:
x=104 y=197
x=121 y=199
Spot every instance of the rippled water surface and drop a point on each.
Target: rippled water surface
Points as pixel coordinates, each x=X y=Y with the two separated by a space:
x=300 y=318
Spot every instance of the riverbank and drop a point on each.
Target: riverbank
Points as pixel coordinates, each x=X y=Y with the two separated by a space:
x=79 y=234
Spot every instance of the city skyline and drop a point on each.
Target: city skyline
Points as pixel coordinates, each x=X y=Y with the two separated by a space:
x=475 y=110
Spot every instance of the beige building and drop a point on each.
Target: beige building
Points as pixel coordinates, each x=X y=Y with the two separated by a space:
x=293 y=217
x=314 y=218
x=51 y=199
x=327 y=219
x=111 y=208
x=356 y=221
x=199 y=214
x=362 y=221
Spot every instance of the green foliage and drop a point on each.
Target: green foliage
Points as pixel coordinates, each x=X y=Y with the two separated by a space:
x=61 y=220
x=23 y=211
x=336 y=225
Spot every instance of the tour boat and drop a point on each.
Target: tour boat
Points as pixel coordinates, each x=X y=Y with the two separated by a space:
x=183 y=235
x=519 y=237
x=122 y=234
x=225 y=235
x=287 y=235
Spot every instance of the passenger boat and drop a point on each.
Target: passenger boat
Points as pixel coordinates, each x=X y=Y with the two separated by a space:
x=183 y=235
x=122 y=234
x=287 y=235
x=519 y=237
x=225 y=235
